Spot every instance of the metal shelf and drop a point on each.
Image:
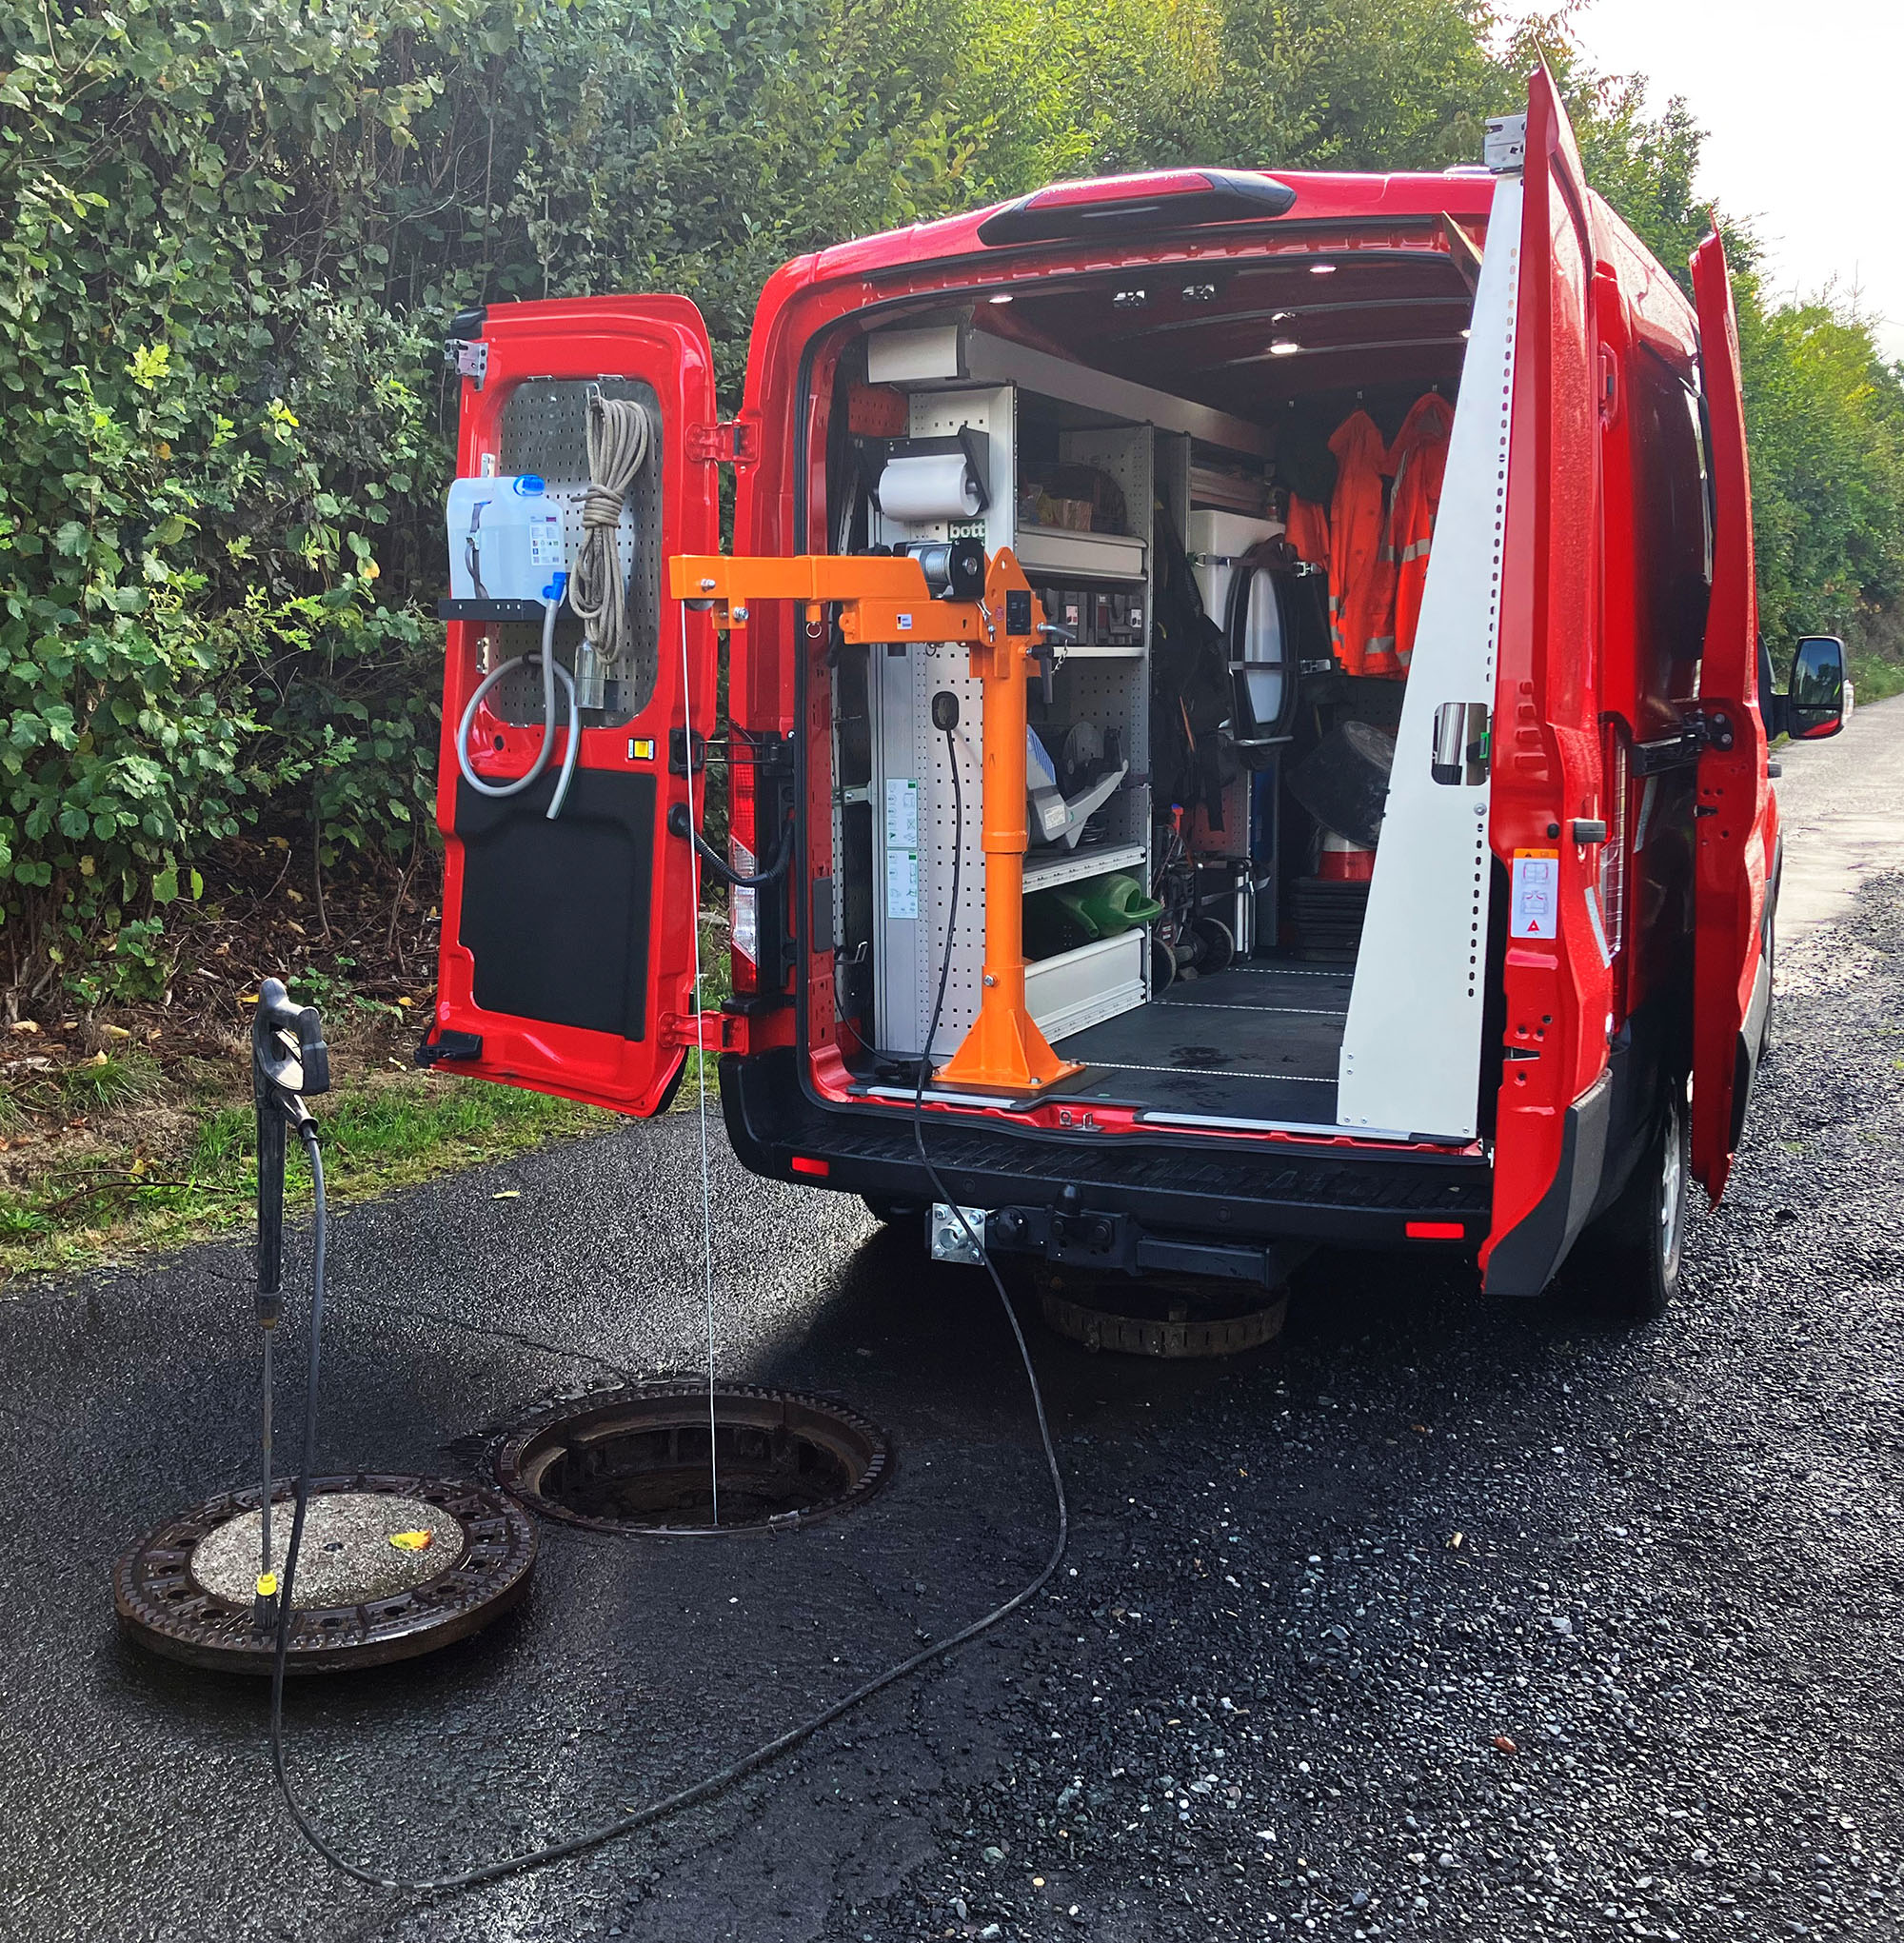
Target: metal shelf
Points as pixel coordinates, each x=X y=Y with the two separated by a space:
x=1095 y=556
x=1043 y=870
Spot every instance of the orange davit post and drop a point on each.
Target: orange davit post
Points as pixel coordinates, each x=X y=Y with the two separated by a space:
x=885 y=598
x=1004 y=1052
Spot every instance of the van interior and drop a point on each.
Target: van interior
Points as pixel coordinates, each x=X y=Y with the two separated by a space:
x=1196 y=467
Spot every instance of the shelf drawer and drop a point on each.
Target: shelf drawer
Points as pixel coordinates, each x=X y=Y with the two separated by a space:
x=1081 y=987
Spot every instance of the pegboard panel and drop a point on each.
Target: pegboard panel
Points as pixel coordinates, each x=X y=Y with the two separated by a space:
x=544 y=430
x=907 y=949
x=1114 y=693
x=1123 y=453
x=944 y=665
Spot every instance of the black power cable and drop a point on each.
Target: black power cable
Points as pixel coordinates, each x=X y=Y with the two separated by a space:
x=768 y=1751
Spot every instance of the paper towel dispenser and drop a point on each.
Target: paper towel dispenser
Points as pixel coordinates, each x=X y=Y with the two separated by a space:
x=919 y=480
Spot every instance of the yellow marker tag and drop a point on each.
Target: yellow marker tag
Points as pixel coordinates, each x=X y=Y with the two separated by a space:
x=412 y=1541
x=267 y=1585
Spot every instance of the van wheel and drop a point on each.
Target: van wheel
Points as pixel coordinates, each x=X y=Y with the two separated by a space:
x=894 y=1213
x=1638 y=1244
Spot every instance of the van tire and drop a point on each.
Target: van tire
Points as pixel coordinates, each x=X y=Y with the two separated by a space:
x=1637 y=1246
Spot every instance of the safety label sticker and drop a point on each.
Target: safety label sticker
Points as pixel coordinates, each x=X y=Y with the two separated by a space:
x=901 y=847
x=545 y=548
x=1536 y=909
x=902 y=813
x=902 y=883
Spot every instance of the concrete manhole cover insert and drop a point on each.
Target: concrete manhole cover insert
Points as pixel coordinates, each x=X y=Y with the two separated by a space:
x=388 y=1567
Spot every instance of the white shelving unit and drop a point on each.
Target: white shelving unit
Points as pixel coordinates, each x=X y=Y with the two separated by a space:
x=1056 y=552
x=1046 y=869
x=1105 y=684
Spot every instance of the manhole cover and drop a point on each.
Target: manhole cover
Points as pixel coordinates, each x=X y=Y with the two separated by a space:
x=638 y=1461
x=1142 y=1319
x=461 y=1556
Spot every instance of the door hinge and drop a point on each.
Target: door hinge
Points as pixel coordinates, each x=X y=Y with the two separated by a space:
x=468 y=358
x=730 y=443
x=719 y=1032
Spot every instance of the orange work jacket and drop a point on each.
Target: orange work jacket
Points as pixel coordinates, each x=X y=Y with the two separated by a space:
x=1421 y=456
x=1360 y=626
x=1307 y=530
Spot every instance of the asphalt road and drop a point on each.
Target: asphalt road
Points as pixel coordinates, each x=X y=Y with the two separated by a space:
x=1440 y=1618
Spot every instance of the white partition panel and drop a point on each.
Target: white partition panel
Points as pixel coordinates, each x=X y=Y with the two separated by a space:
x=1411 y=1052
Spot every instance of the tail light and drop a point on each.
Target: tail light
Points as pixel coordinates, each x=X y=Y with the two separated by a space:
x=1612 y=852
x=743 y=906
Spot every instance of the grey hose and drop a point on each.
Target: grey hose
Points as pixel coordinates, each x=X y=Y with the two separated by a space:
x=552 y=671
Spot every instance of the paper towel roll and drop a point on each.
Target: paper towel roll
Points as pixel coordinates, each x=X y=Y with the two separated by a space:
x=936 y=485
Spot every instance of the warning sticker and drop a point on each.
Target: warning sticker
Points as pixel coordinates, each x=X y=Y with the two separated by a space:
x=1536 y=909
x=902 y=883
x=902 y=813
x=546 y=539
x=901 y=847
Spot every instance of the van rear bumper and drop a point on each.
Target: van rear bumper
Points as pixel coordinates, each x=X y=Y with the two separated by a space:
x=1166 y=1194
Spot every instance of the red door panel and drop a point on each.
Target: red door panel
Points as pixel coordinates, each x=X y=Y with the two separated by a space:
x=1547 y=736
x=568 y=945
x=1735 y=810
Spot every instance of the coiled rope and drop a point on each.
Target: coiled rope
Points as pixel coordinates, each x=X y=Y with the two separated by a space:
x=620 y=433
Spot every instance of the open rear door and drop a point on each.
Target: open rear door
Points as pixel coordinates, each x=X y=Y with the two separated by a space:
x=568 y=945
x=1730 y=976
x=1551 y=1108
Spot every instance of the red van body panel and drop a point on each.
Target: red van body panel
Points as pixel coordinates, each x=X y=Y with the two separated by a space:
x=663 y=341
x=1590 y=707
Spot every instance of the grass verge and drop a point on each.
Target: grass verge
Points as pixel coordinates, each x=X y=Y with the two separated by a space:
x=109 y=1199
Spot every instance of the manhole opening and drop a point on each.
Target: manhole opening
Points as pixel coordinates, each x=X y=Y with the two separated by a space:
x=640 y=1461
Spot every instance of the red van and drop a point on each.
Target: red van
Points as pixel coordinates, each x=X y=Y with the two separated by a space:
x=1402 y=859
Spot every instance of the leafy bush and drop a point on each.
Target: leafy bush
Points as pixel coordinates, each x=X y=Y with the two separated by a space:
x=232 y=230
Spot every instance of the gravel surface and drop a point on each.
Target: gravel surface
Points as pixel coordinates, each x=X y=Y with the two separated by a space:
x=1438 y=1617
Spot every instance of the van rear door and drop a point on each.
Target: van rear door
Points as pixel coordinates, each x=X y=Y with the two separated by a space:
x=1551 y=1118
x=568 y=955
x=1731 y=974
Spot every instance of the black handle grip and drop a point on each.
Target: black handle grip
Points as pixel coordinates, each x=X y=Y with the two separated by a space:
x=270 y=1062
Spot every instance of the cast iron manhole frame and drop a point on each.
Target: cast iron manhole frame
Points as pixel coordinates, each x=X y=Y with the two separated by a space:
x=519 y=1449
x=1176 y=1328
x=163 y=1609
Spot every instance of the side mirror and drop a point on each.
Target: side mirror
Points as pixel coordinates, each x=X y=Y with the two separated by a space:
x=1815 y=703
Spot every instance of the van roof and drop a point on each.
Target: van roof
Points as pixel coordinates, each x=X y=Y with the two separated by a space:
x=1331 y=199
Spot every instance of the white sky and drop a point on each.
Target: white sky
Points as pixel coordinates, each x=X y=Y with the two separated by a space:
x=1800 y=102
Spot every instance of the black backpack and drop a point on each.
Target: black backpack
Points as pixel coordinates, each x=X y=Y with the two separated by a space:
x=1191 y=757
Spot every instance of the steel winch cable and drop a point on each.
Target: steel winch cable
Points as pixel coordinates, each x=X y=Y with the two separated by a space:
x=700 y=1086
x=768 y=1751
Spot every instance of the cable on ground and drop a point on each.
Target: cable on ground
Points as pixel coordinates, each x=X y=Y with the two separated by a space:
x=767 y=1752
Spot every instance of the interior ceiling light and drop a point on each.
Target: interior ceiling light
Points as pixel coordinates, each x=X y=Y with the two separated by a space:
x=1284 y=347
x=1003 y=297
x=1321 y=270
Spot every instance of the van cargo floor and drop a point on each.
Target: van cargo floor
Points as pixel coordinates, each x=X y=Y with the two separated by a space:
x=1256 y=1042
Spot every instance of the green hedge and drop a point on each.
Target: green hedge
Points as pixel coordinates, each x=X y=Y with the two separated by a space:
x=233 y=231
